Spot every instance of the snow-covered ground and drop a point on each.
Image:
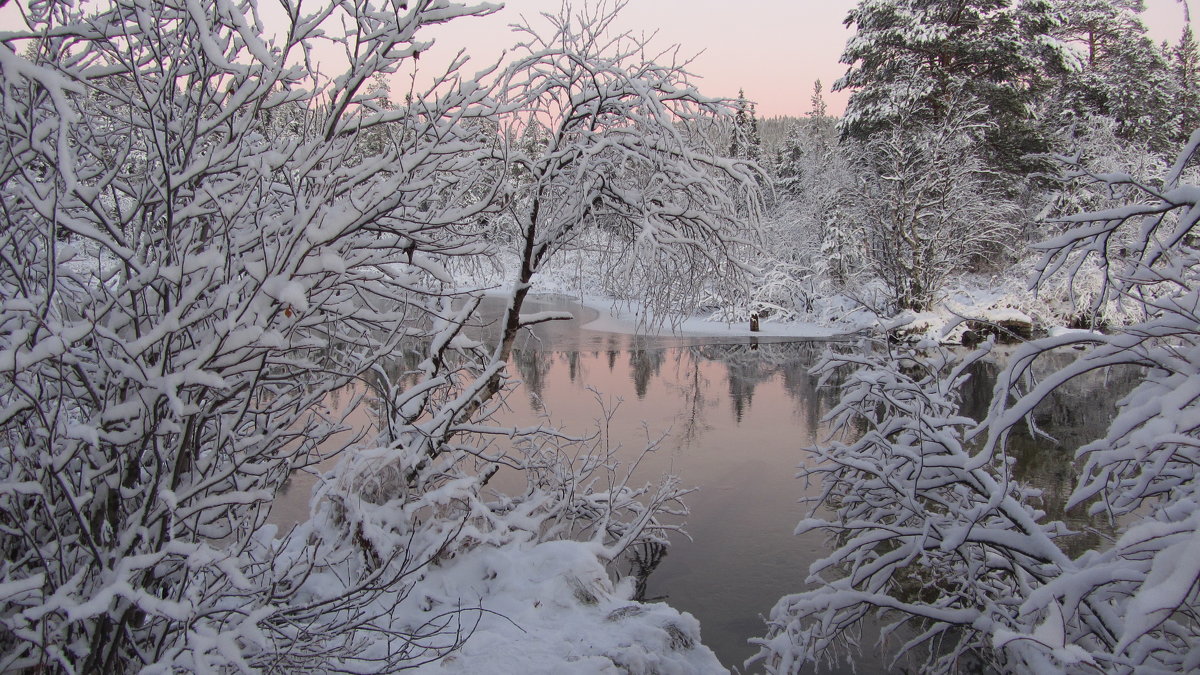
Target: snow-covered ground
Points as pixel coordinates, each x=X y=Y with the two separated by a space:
x=627 y=317
x=972 y=298
x=551 y=608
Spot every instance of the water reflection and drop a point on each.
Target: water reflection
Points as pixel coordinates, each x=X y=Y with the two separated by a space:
x=1078 y=413
x=737 y=417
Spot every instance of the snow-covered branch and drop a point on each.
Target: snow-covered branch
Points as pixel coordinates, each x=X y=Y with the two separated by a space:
x=933 y=531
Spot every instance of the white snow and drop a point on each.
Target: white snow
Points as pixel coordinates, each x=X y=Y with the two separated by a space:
x=629 y=318
x=551 y=608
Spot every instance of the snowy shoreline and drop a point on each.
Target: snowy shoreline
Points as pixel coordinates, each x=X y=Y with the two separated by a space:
x=943 y=325
x=625 y=318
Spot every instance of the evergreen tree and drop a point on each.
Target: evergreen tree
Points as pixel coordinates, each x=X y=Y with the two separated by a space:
x=814 y=183
x=1121 y=73
x=932 y=55
x=745 y=142
x=1096 y=26
x=1186 y=69
x=755 y=144
x=817 y=107
x=737 y=142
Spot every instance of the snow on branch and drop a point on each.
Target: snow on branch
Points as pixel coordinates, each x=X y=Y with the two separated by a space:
x=605 y=137
x=198 y=265
x=936 y=537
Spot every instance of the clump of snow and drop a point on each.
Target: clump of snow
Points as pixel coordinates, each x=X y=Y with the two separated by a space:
x=551 y=608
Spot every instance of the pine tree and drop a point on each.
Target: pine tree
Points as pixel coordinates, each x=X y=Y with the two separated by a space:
x=1123 y=75
x=933 y=56
x=1097 y=25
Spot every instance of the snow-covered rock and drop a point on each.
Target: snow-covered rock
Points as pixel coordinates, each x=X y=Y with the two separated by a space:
x=551 y=608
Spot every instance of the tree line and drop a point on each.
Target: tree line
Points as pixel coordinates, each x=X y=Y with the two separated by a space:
x=947 y=159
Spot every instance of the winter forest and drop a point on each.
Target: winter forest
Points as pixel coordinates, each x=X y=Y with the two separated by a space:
x=232 y=230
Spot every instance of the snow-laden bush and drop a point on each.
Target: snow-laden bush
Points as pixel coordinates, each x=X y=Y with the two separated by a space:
x=933 y=533
x=929 y=206
x=213 y=255
x=1090 y=182
x=196 y=256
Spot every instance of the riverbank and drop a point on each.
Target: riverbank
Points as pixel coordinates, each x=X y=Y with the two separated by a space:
x=551 y=608
x=973 y=309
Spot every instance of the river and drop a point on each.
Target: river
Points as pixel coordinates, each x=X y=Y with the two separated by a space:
x=736 y=416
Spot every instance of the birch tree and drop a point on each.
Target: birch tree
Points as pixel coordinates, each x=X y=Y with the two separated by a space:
x=186 y=280
x=214 y=252
x=627 y=165
x=929 y=207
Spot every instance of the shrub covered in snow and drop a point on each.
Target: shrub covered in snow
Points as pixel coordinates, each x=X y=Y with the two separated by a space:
x=213 y=254
x=935 y=536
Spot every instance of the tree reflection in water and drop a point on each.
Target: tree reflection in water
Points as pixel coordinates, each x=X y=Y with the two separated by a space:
x=738 y=416
x=737 y=420
x=1077 y=413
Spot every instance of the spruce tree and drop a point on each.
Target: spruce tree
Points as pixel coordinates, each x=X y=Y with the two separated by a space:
x=745 y=142
x=817 y=107
x=1186 y=68
x=737 y=142
x=755 y=139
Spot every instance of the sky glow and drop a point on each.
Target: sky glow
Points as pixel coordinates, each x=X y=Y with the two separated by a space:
x=773 y=49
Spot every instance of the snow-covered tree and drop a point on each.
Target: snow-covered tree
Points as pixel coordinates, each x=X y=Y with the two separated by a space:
x=197 y=255
x=813 y=233
x=929 y=207
x=817 y=106
x=212 y=255
x=958 y=558
x=1098 y=26
x=926 y=55
x=626 y=167
x=1185 y=66
x=744 y=142
x=1122 y=74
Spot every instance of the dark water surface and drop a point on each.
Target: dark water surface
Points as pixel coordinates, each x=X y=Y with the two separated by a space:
x=736 y=419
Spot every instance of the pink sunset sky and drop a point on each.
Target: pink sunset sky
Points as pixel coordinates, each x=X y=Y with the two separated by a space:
x=773 y=49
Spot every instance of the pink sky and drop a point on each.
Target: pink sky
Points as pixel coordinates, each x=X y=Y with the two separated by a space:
x=773 y=49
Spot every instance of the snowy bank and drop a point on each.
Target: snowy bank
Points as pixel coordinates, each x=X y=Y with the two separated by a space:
x=629 y=318
x=551 y=608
